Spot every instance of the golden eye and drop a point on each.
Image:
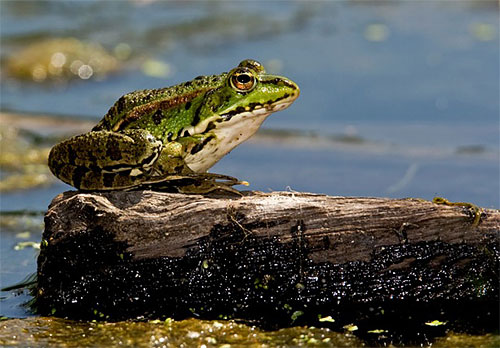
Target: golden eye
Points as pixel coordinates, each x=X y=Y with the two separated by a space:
x=243 y=80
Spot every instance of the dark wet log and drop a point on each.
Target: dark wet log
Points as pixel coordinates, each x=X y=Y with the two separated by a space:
x=276 y=258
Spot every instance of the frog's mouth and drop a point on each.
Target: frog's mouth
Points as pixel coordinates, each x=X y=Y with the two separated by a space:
x=258 y=109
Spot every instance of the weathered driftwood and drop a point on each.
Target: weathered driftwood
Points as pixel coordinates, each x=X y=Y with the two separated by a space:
x=277 y=258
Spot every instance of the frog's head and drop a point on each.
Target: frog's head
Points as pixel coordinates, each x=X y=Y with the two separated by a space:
x=250 y=92
x=234 y=110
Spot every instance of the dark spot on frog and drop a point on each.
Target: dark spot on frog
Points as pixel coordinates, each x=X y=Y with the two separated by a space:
x=157 y=117
x=150 y=158
x=187 y=106
x=210 y=126
x=198 y=147
x=56 y=167
x=253 y=105
x=280 y=82
x=273 y=81
x=127 y=173
x=113 y=151
x=187 y=84
x=120 y=104
x=94 y=168
x=108 y=179
x=230 y=114
x=196 y=118
x=91 y=157
x=199 y=77
x=178 y=169
x=186 y=134
x=71 y=156
x=78 y=175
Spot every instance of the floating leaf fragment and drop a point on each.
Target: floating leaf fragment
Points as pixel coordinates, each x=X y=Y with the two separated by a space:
x=435 y=323
x=350 y=327
x=327 y=319
x=296 y=314
x=22 y=245
x=377 y=331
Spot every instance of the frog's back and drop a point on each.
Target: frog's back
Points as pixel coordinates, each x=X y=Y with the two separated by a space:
x=134 y=104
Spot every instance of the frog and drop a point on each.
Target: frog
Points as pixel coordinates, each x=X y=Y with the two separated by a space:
x=170 y=137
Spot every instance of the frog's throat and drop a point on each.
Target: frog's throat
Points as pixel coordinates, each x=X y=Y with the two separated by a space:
x=229 y=133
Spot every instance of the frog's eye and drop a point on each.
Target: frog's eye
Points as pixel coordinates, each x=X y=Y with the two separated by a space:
x=243 y=80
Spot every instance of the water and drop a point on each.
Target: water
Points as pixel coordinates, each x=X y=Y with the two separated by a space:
x=416 y=81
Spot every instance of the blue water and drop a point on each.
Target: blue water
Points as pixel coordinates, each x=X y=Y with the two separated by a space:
x=428 y=88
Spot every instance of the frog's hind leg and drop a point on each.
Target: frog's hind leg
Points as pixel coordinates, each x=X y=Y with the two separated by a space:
x=92 y=179
x=104 y=160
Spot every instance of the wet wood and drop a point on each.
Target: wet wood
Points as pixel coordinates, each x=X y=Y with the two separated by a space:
x=216 y=255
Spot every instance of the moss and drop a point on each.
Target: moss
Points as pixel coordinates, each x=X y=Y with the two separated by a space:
x=84 y=272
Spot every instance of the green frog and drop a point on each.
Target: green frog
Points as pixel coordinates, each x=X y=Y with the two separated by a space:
x=172 y=136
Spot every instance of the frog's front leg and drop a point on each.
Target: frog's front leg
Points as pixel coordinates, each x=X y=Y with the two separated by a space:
x=172 y=157
x=170 y=162
x=170 y=171
x=104 y=160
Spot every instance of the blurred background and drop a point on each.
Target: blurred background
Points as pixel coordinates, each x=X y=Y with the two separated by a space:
x=398 y=98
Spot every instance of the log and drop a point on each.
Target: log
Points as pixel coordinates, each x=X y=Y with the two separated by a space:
x=275 y=259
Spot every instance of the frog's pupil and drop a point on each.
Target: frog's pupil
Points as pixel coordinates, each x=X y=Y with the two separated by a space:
x=243 y=78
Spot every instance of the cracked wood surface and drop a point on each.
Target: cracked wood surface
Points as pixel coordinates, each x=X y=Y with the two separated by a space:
x=336 y=229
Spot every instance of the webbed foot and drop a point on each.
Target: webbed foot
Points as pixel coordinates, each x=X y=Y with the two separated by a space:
x=194 y=183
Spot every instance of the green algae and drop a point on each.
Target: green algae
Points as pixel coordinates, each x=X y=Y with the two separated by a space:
x=43 y=332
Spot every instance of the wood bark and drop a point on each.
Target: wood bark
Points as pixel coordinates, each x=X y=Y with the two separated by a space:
x=276 y=258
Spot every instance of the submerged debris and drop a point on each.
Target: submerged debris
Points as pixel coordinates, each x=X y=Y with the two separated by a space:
x=60 y=60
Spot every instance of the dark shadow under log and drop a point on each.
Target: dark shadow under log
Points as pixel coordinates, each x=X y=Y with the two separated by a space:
x=275 y=259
